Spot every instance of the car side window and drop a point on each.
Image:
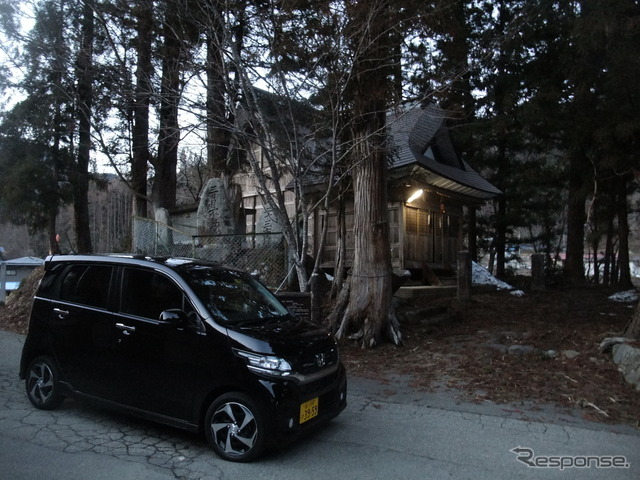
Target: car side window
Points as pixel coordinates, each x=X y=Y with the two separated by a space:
x=146 y=293
x=87 y=285
x=49 y=282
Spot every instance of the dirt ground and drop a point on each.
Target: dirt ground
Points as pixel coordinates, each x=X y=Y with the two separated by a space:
x=461 y=346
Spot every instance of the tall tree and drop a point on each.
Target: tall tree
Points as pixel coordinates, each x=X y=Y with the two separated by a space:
x=28 y=196
x=520 y=87
x=502 y=82
x=365 y=303
x=143 y=14
x=41 y=125
x=602 y=139
x=578 y=145
x=84 y=97
x=164 y=181
x=179 y=34
x=218 y=119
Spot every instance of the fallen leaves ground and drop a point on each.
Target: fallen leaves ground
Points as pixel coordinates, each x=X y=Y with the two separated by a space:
x=452 y=349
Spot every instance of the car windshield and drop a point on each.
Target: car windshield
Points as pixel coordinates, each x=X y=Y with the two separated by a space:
x=232 y=296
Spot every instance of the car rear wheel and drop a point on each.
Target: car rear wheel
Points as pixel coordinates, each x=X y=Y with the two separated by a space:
x=43 y=384
x=235 y=427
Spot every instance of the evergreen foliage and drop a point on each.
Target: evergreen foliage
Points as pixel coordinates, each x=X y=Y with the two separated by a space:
x=542 y=94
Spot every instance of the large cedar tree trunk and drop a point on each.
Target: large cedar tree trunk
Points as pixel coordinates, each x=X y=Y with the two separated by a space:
x=218 y=128
x=140 y=137
x=369 y=307
x=340 y=260
x=364 y=304
x=81 y=181
x=576 y=217
x=623 y=233
x=164 y=184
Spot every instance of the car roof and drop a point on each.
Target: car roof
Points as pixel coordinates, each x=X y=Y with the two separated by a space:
x=132 y=259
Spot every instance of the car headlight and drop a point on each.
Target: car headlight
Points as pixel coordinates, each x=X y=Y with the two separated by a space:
x=266 y=364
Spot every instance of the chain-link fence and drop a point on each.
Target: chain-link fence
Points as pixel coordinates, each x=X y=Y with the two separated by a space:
x=159 y=240
x=262 y=254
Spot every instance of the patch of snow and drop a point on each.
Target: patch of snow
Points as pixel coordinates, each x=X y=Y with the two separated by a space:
x=481 y=276
x=517 y=293
x=629 y=296
x=634 y=266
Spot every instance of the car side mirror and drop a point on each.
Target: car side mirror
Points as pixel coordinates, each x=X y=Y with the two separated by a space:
x=174 y=316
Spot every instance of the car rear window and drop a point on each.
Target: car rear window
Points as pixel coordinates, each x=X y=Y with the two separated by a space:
x=87 y=285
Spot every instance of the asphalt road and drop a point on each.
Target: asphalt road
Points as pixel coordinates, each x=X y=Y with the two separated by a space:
x=387 y=432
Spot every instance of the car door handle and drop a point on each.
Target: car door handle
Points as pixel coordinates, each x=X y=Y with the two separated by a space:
x=62 y=314
x=126 y=329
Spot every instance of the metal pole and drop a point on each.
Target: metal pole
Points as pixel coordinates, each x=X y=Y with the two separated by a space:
x=3 y=282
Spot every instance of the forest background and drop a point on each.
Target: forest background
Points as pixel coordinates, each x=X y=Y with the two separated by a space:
x=542 y=97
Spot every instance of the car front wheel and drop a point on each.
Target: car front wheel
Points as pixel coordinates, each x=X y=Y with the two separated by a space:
x=235 y=427
x=42 y=383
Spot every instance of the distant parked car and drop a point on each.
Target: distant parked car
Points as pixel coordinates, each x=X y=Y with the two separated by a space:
x=186 y=343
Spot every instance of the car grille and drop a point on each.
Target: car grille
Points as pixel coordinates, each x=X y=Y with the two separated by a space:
x=317 y=361
x=319 y=385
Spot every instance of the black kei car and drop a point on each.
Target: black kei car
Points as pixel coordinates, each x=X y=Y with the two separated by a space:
x=186 y=343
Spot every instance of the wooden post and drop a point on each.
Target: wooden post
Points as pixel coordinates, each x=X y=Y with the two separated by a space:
x=464 y=275
x=537 y=272
x=3 y=281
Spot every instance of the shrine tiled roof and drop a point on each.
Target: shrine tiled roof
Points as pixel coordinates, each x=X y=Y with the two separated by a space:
x=419 y=137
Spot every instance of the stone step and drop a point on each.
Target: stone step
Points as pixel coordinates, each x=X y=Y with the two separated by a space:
x=422 y=291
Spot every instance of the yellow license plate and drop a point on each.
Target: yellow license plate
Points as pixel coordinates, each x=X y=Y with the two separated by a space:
x=309 y=410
